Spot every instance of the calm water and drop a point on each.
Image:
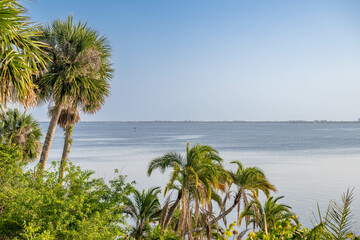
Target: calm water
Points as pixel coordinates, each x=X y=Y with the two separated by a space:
x=307 y=162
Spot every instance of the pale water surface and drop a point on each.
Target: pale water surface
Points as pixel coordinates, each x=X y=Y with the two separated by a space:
x=308 y=163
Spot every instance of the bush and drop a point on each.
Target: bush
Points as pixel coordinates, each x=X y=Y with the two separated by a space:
x=81 y=208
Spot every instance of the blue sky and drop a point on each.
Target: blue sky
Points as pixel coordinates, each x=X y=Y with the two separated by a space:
x=224 y=60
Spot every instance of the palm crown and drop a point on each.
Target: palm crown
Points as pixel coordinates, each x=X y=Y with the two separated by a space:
x=21 y=129
x=266 y=217
x=144 y=207
x=80 y=70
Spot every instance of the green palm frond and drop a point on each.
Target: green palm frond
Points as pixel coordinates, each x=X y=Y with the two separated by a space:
x=339 y=217
x=337 y=222
x=169 y=160
x=21 y=57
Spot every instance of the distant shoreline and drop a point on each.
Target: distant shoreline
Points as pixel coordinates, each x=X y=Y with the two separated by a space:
x=237 y=121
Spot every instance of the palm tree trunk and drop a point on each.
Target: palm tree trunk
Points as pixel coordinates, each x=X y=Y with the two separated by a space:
x=266 y=230
x=181 y=226
x=172 y=209
x=49 y=137
x=223 y=214
x=182 y=220
x=189 y=222
x=197 y=208
x=140 y=231
x=207 y=226
x=66 y=151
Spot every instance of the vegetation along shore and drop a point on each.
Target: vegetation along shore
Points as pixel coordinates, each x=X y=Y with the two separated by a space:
x=66 y=64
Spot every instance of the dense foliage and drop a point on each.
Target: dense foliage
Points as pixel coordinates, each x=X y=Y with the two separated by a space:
x=81 y=208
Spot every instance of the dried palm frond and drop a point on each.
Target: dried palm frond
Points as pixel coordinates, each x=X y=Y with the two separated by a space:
x=68 y=116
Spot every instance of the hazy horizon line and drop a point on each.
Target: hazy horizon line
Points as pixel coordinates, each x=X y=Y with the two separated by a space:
x=223 y=121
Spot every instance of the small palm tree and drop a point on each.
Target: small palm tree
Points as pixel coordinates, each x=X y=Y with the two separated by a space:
x=266 y=217
x=21 y=129
x=78 y=73
x=194 y=176
x=249 y=181
x=144 y=207
x=21 y=57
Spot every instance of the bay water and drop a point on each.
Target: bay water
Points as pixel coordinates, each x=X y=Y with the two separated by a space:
x=308 y=163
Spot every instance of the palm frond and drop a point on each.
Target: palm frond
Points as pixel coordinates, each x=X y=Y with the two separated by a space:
x=164 y=162
x=339 y=217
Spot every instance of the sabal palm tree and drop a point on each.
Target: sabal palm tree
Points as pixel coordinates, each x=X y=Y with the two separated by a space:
x=78 y=74
x=194 y=176
x=266 y=217
x=21 y=129
x=21 y=57
x=144 y=207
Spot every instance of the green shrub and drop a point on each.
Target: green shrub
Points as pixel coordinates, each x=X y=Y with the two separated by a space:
x=156 y=234
x=81 y=208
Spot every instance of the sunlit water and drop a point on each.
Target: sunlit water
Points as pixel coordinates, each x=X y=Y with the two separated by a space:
x=308 y=163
